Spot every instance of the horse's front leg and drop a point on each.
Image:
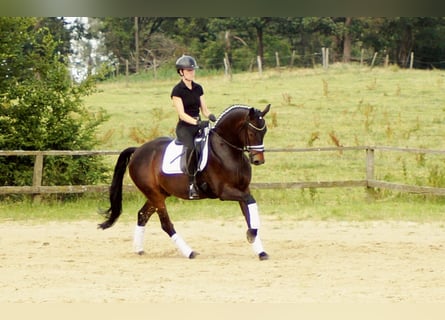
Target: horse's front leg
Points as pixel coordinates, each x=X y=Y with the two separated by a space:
x=251 y=214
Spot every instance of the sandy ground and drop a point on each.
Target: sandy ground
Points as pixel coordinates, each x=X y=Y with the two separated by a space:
x=310 y=262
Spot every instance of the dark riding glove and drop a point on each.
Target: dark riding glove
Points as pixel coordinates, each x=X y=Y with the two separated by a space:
x=203 y=124
x=212 y=117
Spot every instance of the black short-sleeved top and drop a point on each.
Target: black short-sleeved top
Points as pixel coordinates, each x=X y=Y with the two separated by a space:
x=191 y=99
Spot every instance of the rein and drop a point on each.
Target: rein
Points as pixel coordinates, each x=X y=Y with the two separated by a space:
x=228 y=143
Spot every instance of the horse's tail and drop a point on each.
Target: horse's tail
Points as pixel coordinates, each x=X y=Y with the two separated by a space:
x=113 y=213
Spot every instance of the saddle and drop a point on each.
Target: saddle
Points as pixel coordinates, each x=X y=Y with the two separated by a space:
x=174 y=161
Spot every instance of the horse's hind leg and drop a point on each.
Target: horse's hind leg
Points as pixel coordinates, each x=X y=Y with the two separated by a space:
x=144 y=215
x=168 y=227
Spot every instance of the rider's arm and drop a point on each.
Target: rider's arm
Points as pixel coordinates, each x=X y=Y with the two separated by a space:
x=179 y=106
x=205 y=111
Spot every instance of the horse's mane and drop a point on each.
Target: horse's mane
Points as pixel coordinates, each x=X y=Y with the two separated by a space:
x=229 y=109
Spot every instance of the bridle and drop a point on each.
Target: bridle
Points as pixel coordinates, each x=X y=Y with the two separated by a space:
x=253 y=149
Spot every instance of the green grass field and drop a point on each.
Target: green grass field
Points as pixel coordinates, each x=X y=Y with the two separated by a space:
x=357 y=106
x=336 y=204
x=345 y=105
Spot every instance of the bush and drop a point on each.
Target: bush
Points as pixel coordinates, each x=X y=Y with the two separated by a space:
x=41 y=109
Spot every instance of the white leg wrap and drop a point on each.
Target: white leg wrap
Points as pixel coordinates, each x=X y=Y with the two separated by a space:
x=182 y=246
x=138 y=239
x=254 y=216
x=257 y=245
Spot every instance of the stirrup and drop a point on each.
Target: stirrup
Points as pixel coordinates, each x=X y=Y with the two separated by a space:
x=193 y=193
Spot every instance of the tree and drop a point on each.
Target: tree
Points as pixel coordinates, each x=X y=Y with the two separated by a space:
x=244 y=38
x=399 y=36
x=40 y=109
x=347 y=40
x=252 y=28
x=429 y=45
x=129 y=39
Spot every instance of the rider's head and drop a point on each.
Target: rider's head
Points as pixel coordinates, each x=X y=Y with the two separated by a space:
x=186 y=63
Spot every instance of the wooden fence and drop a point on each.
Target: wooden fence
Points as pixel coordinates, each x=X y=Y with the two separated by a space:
x=369 y=180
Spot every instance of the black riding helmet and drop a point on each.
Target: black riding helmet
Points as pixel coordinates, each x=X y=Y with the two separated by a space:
x=186 y=62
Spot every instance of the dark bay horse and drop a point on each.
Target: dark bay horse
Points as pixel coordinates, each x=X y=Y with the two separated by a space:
x=226 y=176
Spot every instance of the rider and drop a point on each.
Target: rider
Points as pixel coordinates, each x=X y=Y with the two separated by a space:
x=188 y=100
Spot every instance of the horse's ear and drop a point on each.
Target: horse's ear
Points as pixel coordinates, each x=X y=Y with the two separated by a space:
x=266 y=110
x=252 y=113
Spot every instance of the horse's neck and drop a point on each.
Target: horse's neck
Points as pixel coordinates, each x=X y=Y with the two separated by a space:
x=231 y=132
x=232 y=141
x=225 y=149
x=230 y=163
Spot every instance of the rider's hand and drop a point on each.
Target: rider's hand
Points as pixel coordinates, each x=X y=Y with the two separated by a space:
x=203 y=124
x=212 y=117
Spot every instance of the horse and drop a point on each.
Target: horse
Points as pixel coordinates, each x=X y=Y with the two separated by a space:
x=226 y=176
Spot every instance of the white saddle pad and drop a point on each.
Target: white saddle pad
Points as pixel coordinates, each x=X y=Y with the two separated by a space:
x=171 y=163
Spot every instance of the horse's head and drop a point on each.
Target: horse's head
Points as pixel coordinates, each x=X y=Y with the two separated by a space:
x=255 y=130
x=243 y=128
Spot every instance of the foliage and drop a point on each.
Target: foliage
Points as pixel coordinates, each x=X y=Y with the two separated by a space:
x=40 y=109
x=152 y=48
x=245 y=38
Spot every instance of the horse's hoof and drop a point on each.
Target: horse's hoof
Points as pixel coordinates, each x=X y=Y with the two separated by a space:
x=263 y=256
x=140 y=253
x=251 y=235
x=193 y=255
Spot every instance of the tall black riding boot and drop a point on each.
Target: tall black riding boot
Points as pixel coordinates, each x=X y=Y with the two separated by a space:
x=191 y=171
x=193 y=193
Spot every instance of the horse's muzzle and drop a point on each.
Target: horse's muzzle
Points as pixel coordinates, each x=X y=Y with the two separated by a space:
x=256 y=157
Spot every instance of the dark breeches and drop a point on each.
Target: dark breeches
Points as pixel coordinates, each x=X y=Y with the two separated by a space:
x=186 y=134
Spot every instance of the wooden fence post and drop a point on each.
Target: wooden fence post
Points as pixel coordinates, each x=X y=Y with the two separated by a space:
x=327 y=58
x=292 y=59
x=260 y=65
x=411 y=62
x=373 y=60
x=155 y=70
x=369 y=170
x=323 y=57
x=37 y=176
x=227 y=66
x=127 y=72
